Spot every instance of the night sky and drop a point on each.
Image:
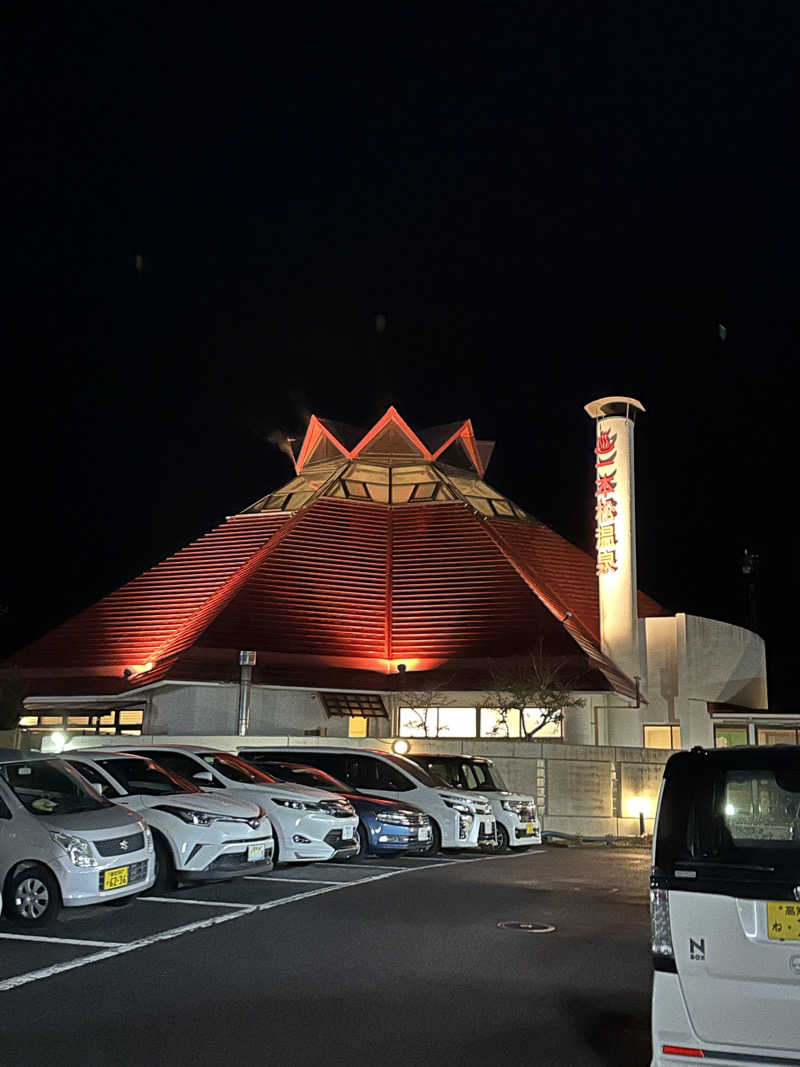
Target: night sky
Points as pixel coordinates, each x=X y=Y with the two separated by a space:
x=549 y=202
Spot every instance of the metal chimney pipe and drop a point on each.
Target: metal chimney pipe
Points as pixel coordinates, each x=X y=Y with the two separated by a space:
x=615 y=505
x=247 y=660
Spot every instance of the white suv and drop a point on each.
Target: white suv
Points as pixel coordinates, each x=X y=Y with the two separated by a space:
x=198 y=837
x=457 y=820
x=725 y=908
x=515 y=813
x=308 y=824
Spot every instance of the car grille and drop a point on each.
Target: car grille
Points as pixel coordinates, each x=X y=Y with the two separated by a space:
x=417 y=818
x=235 y=861
x=137 y=872
x=335 y=840
x=113 y=846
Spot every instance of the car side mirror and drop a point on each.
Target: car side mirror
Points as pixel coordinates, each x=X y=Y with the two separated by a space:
x=203 y=776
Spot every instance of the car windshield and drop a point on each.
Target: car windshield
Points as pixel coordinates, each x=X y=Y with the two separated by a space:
x=235 y=769
x=476 y=775
x=51 y=787
x=289 y=772
x=143 y=777
x=421 y=775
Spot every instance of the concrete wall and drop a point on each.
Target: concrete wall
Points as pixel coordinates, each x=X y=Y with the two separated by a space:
x=206 y=709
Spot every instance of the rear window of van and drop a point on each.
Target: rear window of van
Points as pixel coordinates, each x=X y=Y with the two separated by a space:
x=737 y=808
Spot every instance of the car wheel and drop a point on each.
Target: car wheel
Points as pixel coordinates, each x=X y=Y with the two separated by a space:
x=32 y=896
x=436 y=841
x=165 y=868
x=501 y=840
x=361 y=836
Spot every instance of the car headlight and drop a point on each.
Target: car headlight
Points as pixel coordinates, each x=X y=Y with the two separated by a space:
x=77 y=848
x=297 y=805
x=396 y=818
x=188 y=815
x=513 y=805
x=148 y=837
x=457 y=805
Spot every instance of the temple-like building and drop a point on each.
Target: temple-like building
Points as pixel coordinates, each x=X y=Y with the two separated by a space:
x=389 y=567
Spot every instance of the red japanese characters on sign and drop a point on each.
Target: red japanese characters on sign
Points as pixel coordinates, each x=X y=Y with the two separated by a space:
x=605 y=488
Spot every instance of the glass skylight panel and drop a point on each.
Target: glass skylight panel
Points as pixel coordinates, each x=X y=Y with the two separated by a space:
x=407 y=475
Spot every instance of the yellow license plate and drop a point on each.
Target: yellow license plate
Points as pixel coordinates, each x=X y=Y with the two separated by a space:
x=115 y=878
x=783 y=921
x=529 y=829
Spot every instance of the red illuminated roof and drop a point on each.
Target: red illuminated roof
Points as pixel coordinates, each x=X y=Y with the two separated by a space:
x=343 y=574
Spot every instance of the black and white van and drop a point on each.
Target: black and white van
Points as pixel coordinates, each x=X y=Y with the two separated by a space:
x=725 y=908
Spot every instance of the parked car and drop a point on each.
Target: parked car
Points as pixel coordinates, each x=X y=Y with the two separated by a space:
x=63 y=844
x=725 y=886
x=515 y=813
x=198 y=837
x=457 y=820
x=307 y=824
x=385 y=827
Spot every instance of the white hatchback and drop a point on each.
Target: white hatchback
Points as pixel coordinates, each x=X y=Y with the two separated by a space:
x=725 y=908
x=197 y=837
x=308 y=824
x=62 y=844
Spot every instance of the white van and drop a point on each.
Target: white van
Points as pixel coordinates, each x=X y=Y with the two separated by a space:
x=457 y=820
x=515 y=813
x=725 y=908
x=63 y=844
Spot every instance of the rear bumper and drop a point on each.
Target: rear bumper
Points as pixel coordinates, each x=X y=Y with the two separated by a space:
x=672 y=1027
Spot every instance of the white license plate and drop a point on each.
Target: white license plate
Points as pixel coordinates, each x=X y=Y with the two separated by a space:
x=424 y=833
x=347 y=833
x=256 y=853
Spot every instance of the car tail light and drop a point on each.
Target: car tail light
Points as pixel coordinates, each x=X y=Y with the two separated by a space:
x=679 y=1050
x=660 y=928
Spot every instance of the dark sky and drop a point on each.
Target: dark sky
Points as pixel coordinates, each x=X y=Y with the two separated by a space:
x=549 y=202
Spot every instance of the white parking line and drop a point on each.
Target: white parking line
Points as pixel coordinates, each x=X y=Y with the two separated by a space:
x=186 y=900
x=61 y=940
x=371 y=867
x=302 y=881
x=168 y=935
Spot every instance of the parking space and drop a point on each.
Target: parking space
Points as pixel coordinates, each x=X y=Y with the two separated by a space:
x=86 y=936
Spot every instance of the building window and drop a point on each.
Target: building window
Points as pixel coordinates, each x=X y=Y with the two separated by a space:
x=510 y=724
x=663 y=736
x=728 y=736
x=357 y=726
x=363 y=705
x=126 y=721
x=776 y=735
x=438 y=722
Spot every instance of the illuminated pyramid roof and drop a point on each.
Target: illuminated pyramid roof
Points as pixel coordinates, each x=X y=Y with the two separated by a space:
x=387 y=547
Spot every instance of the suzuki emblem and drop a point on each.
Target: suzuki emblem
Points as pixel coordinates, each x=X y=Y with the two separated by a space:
x=794 y=965
x=124 y=844
x=796 y=892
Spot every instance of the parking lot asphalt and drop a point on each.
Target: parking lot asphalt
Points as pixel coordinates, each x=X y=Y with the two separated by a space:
x=387 y=962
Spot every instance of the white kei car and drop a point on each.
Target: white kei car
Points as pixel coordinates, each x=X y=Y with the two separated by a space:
x=725 y=908
x=197 y=837
x=63 y=845
x=307 y=823
x=515 y=813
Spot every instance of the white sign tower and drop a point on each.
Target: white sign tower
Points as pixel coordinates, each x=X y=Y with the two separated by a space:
x=616 y=530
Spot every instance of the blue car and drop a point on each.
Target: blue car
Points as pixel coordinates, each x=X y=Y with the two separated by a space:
x=385 y=827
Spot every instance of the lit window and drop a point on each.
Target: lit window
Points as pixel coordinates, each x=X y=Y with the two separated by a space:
x=728 y=736
x=665 y=736
x=357 y=726
x=456 y=722
x=131 y=717
x=775 y=735
x=418 y=722
x=29 y=720
x=437 y=722
x=496 y=724
x=532 y=721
